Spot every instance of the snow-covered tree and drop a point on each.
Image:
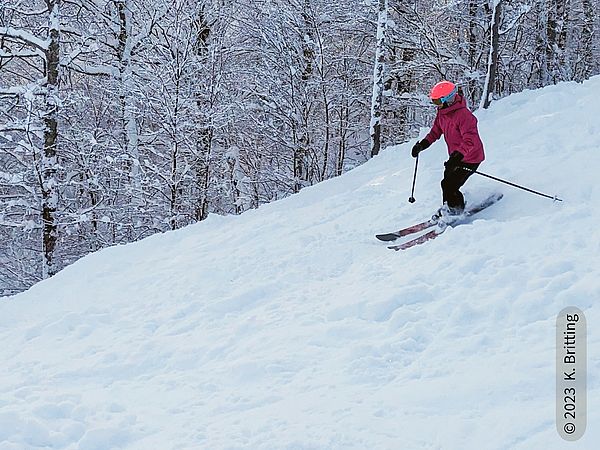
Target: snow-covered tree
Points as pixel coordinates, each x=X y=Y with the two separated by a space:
x=378 y=77
x=31 y=51
x=490 y=78
x=123 y=118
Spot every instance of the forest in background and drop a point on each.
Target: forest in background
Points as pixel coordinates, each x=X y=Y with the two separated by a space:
x=124 y=118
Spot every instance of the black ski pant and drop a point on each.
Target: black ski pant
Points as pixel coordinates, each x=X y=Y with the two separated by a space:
x=453 y=181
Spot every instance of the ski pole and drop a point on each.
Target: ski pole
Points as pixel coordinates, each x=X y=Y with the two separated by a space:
x=555 y=198
x=411 y=199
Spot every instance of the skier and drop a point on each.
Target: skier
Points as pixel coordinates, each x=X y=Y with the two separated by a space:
x=459 y=127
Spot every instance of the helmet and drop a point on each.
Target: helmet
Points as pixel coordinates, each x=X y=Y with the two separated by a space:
x=443 y=92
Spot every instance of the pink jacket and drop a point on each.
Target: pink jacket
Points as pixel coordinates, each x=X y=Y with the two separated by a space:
x=459 y=127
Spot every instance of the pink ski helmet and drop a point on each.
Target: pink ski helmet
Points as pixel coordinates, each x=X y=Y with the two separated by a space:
x=443 y=92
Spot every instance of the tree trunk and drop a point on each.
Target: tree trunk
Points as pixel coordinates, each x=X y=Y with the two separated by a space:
x=378 y=79
x=405 y=85
x=563 y=66
x=174 y=186
x=128 y=109
x=344 y=118
x=541 y=45
x=587 y=38
x=556 y=31
x=203 y=174
x=473 y=86
x=302 y=167
x=49 y=160
x=343 y=122
x=205 y=130
x=490 y=79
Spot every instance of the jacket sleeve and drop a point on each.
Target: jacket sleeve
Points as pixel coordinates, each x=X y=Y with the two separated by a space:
x=435 y=133
x=467 y=126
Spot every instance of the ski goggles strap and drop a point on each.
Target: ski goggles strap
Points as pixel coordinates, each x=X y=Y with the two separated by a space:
x=446 y=98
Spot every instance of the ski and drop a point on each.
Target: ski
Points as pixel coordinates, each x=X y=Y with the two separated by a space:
x=443 y=225
x=386 y=237
x=417 y=241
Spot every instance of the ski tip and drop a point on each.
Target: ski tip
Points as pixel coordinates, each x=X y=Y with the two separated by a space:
x=493 y=197
x=496 y=197
x=386 y=237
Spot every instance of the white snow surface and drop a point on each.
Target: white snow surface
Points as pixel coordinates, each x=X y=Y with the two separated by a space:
x=292 y=327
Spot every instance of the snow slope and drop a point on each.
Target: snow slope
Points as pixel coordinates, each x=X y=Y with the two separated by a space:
x=291 y=327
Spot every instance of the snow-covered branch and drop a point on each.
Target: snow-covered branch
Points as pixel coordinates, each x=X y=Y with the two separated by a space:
x=21 y=54
x=25 y=37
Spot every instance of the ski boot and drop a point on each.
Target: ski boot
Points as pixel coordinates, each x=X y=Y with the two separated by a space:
x=447 y=215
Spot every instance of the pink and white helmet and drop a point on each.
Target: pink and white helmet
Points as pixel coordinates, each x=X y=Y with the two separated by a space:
x=443 y=92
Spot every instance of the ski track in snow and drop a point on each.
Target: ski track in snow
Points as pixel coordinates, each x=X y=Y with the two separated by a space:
x=291 y=327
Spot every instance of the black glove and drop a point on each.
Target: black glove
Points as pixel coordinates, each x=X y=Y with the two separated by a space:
x=419 y=147
x=454 y=161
